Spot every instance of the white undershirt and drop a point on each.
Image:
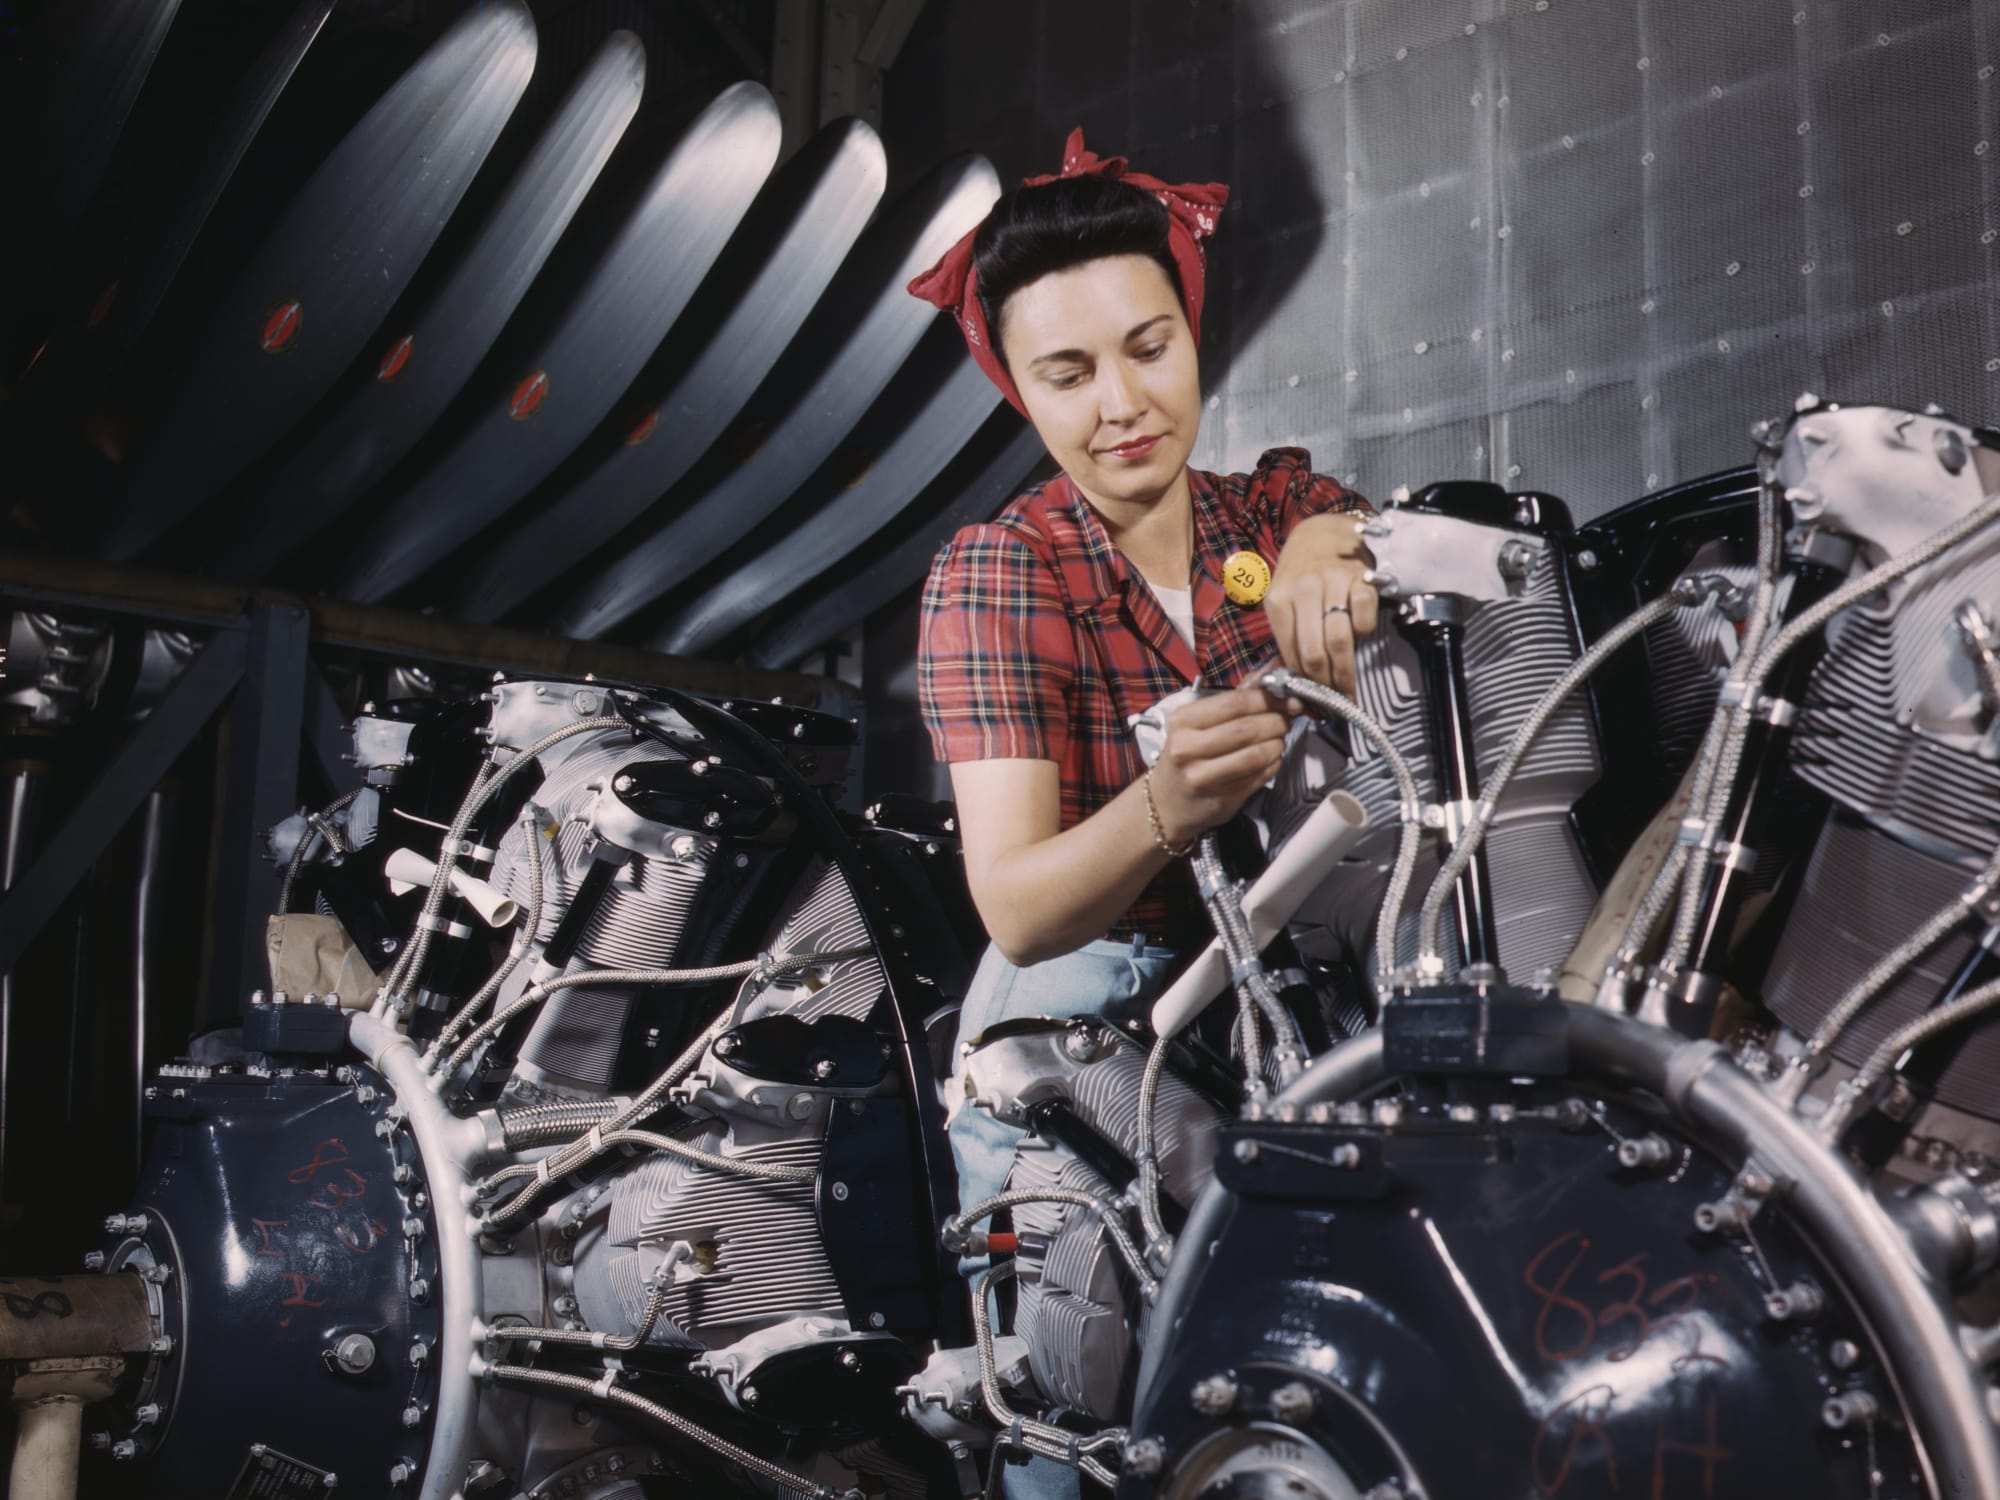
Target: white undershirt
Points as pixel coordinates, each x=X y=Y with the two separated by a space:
x=1179 y=607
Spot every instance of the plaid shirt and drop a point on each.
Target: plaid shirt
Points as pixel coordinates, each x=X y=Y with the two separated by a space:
x=1039 y=640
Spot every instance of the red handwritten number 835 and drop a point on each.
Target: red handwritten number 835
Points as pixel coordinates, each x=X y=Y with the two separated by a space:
x=1559 y=1307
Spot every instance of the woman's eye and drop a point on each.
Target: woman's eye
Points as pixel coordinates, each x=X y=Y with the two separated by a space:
x=1067 y=380
x=1152 y=351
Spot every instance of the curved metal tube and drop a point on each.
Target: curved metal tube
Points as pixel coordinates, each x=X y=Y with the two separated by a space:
x=446 y=1145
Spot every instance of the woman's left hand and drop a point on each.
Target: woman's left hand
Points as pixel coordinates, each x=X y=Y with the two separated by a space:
x=1318 y=605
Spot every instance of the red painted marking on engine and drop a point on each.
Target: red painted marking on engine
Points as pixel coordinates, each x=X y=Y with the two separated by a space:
x=310 y=1170
x=264 y=1228
x=643 y=428
x=397 y=356
x=281 y=326
x=101 y=308
x=528 y=396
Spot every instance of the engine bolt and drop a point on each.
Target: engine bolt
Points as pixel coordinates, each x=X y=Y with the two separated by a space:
x=1245 y=1151
x=399 y=1474
x=354 y=1353
x=413 y=1229
x=125 y=1450
x=1845 y=1354
x=1144 y=1457
x=93 y=1260
x=1720 y=1217
x=1848 y=1408
x=749 y=1395
x=849 y=1360
x=1647 y=1150
x=824 y=1068
x=1292 y=1402
x=156 y=1275
x=1801 y=1301
x=839 y=1191
x=1080 y=1043
x=413 y=1414
x=403 y=1174
x=622 y=784
x=163 y=1345
x=148 y=1414
x=1214 y=1395
x=419 y=1352
x=419 y=1289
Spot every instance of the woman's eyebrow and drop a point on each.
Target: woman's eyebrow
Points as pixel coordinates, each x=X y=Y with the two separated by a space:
x=1064 y=356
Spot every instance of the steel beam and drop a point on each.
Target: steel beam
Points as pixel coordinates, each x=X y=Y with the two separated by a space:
x=114 y=588
x=260 y=785
x=126 y=779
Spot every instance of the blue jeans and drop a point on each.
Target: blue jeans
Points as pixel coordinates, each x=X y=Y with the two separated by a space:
x=1082 y=983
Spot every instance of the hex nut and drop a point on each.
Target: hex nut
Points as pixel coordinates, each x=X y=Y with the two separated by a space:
x=1214 y=1395
x=355 y=1353
x=1144 y=1457
x=1293 y=1402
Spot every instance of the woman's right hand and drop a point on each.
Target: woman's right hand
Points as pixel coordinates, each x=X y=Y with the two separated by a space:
x=1219 y=749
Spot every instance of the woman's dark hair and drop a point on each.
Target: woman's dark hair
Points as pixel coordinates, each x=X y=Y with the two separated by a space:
x=1034 y=231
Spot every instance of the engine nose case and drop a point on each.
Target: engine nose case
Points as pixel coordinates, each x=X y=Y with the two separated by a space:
x=1377 y=1276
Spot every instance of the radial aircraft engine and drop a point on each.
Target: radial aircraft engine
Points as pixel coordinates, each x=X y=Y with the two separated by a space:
x=1599 y=1101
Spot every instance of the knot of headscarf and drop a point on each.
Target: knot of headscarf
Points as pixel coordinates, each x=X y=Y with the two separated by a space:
x=1192 y=211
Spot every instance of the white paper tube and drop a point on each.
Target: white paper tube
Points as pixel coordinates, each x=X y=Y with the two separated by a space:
x=1283 y=887
x=408 y=869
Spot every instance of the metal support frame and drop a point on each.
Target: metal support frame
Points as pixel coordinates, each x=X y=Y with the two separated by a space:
x=124 y=783
x=260 y=786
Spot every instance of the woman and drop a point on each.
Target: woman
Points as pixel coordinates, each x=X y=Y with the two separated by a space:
x=1092 y=597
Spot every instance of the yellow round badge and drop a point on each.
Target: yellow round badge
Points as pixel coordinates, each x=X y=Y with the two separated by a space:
x=1246 y=577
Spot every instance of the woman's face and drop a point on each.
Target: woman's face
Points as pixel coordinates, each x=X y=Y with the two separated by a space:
x=1106 y=365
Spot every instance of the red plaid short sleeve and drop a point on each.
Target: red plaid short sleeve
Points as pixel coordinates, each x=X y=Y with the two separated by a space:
x=996 y=656
x=1284 y=491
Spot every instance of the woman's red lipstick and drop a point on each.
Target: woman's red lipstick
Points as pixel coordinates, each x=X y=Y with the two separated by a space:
x=1137 y=448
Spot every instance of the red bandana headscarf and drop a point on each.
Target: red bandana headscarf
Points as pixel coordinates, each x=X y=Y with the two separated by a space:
x=1192 y=209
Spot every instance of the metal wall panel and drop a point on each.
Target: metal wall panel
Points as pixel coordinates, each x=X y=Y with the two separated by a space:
x=1577 y=245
